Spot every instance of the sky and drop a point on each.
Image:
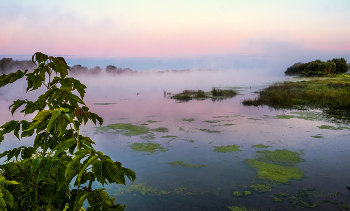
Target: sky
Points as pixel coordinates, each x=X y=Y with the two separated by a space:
x=174 y=28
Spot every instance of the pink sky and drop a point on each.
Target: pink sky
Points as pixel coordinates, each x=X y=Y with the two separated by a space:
x=172 y=28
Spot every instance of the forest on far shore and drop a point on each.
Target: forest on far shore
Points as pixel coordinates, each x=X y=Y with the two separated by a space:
x=319 y=68
x=8 y=65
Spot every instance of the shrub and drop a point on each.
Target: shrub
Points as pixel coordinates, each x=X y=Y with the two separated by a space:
x=57 y=172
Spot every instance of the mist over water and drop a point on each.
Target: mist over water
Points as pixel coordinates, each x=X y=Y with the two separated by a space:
x=139 y=99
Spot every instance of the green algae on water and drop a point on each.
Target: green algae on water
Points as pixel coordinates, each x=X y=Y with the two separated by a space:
x=275 y=172
x=160 y=129
x=191 y=141
x=261 y=146
x=104 y=103
x=237 y=208
x=261 y=188
x=125 y=129
x=169 y=136
x=151 y=121
x=279 y=197
x=221 y=117
x=228 y=148
x=188 y=120
x=317 y=136
x=253 y=119
x=183 y=191
x=224 y=125
x=285 y=116
x=210 y=131
x=212 y=121
x=148 y=147
x=241 y=193
x=329 y=127
x=282 y=157
x=182 y=163
x=146 y=190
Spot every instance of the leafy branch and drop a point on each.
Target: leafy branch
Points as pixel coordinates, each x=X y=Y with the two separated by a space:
x=41 y=177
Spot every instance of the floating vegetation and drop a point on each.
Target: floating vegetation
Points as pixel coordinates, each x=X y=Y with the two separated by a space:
x=253 y=119
x=329 y=127
x=261 y=188
x=279 y=197
x=309 y=115
x=212 y=121
x=221 y=117
x=285 y=116
x=182 y=163
x=238 y=208
x=151 y=121
x=160 y=129
x=183 y=191
x=282 y=157
x=302 y=200
x=143 y=190
x=188 y=120
x=317 y=136
x=148 y=147
x=241 y=193
x=169 y=136
x=104 y=103
x=228 y=148
x=261 y=146
x=125 y=129
x=191 y=141
x=275 y=172
x=223 y=92
x=224 y=125
x=210 y=131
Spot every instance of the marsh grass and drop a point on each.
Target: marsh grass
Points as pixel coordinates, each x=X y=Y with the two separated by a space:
x=215 y=94
x=332 y=94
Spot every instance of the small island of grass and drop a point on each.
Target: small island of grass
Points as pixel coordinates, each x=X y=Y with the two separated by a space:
x=215 y=94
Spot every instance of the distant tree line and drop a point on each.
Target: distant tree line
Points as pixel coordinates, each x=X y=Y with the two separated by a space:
x=319 y=68
x=9 y=65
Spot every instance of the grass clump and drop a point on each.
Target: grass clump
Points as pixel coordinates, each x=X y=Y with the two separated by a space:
x=223 y=92
x=228 y=148
x=188 y=95
x=330 y=94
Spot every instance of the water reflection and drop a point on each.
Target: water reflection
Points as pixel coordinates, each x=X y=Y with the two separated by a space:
x=182 y=133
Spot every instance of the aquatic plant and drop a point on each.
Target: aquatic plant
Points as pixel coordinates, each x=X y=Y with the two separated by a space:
x=182 y=163
x=261 y=146
x=223 y=92
x=188 y=120
x=126 y=129
x=261 y=188
x=160 y=129
x=228 y=148
x=149 y=147
x=282 y=157
x=275 y=172
x=210 y=131
x=330 y=94
x=212 y=121
x=241 y=193
x=58 y=170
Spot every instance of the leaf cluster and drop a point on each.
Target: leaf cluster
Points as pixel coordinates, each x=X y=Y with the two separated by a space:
x=58 y=171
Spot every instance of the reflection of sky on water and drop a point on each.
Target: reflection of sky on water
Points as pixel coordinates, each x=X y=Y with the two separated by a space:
x=211 y=186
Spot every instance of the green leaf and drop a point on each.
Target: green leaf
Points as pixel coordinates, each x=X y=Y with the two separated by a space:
x=12 y=77
x=90 y=160
x=9 y=126
x=7 y=196
x=44 y=169
x=80 y=202
x=78 y=156
x=64 y=146
x=35 y=163
x=16 y=104
x=34 y=81
x=54 y=116
x=130 y=174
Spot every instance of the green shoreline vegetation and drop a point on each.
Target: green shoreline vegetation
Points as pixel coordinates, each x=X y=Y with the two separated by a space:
x=331 y=94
